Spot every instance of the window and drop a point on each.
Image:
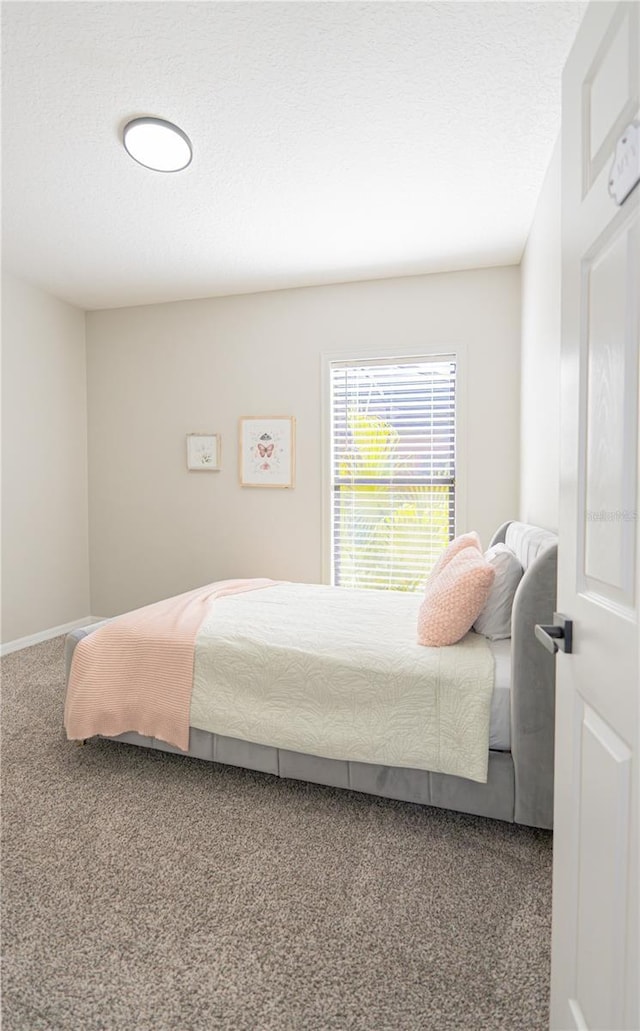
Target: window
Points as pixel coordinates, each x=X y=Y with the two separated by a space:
x=392 y=470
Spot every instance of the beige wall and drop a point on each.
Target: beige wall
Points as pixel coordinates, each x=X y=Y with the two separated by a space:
x=540 y=425
x=45 y=552
x=158 y=372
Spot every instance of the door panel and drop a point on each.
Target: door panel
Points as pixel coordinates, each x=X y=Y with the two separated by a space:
x=604 y=771
x=609 y=93
x=610 y=415
x=594 y=980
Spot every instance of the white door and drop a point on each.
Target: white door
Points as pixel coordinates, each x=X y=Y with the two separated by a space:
x=595 y=889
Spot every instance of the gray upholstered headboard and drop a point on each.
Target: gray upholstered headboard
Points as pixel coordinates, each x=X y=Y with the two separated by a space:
x=533 y=671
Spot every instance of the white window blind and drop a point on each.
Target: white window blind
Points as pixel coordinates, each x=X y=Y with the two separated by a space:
x=392 y=470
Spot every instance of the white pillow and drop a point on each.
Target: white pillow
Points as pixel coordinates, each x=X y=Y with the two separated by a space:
x=494 y=621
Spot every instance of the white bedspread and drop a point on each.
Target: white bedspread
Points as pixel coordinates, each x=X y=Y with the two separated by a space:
x=338 y=673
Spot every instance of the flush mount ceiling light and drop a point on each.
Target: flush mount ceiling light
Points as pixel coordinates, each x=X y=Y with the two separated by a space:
x=157 y=144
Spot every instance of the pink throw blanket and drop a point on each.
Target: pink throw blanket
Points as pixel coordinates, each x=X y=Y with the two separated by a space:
x=136 y=672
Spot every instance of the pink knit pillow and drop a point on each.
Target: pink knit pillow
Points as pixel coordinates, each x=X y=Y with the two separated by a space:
x=454 y=599
x=465 y=540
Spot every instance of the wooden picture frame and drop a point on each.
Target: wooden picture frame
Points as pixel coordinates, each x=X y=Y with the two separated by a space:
x=266 y=451
x=203 y=452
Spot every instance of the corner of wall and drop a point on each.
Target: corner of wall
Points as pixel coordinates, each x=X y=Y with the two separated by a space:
x=540 y=357
x=44 y=504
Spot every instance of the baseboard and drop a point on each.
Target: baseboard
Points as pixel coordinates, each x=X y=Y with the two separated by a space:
x=45 y=635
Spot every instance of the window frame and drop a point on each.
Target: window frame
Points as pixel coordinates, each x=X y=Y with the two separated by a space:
x=355 y=356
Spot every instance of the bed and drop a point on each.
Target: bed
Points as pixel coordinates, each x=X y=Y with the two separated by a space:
x=519 y=771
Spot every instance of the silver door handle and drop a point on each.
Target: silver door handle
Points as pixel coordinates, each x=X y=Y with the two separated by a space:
x=557 y=636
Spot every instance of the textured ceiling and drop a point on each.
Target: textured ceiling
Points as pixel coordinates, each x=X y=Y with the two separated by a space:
x=332 y=141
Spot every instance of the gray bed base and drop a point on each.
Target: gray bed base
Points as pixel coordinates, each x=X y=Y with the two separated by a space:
x=519 y=787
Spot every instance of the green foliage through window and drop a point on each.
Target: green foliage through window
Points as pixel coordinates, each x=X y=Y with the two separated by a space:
x=393 y=476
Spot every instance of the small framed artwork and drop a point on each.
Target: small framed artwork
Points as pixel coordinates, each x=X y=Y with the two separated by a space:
x=203 y=452
x=267 y=450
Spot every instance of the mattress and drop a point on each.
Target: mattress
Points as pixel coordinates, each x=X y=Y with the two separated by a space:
x=500 y=715
x=500 y=726
x=338 y=673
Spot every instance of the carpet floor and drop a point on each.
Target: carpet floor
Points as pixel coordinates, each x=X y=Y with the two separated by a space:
x=147 y=891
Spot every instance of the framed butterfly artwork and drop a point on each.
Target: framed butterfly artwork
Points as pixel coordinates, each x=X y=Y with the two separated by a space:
x=267 y=451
